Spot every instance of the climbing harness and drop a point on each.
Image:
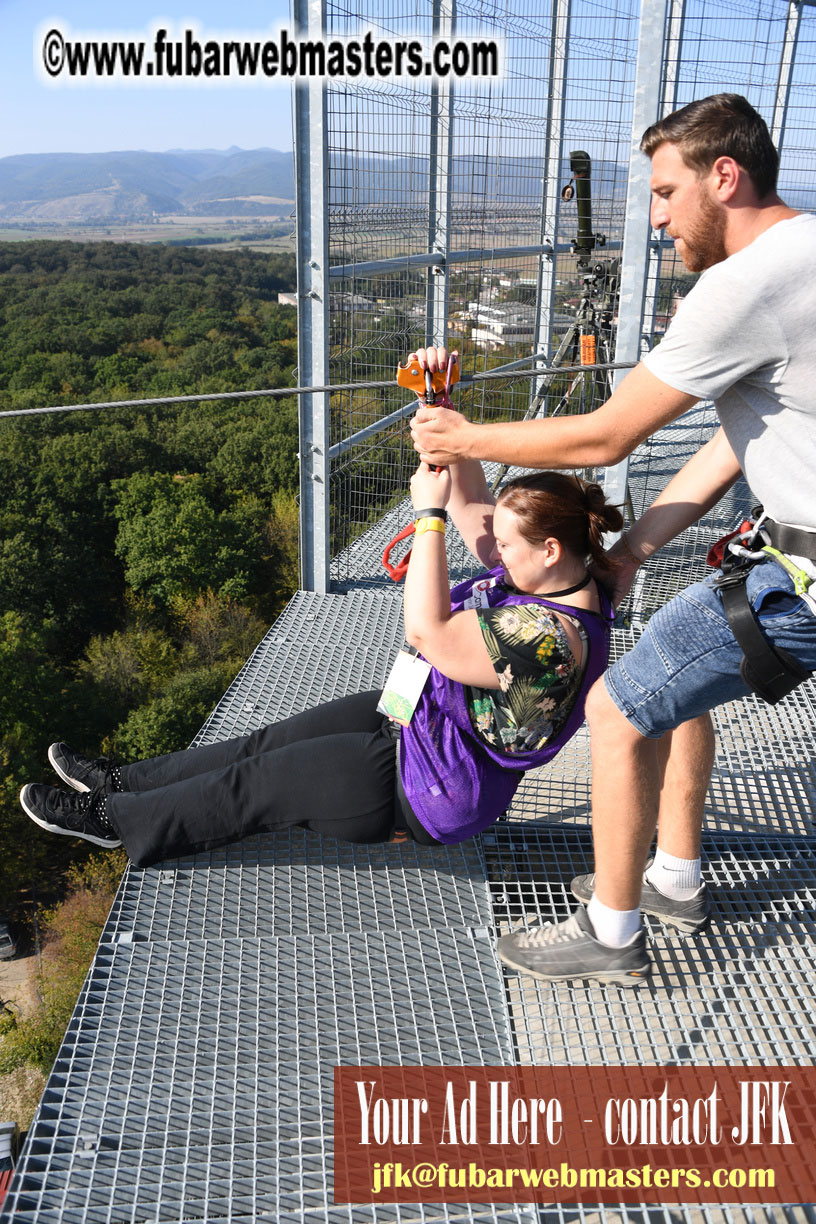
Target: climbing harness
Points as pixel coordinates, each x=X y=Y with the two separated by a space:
x=768 y=670
x=412 y=377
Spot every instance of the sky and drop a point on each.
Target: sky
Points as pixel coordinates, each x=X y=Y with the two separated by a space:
x=41 y=118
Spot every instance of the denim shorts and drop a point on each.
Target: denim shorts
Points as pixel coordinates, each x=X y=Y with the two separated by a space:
x=687 y=660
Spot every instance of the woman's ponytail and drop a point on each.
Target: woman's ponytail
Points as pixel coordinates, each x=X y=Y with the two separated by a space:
x=603 y=518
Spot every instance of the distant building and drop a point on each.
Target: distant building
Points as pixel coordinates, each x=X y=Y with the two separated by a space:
x=662 y=321
x=351 y=302
x=287 y=299
x=496 y=326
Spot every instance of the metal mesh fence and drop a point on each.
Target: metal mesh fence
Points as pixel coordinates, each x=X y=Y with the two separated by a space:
x=475 y=177
x=370 y=481
x=732 y=46
x=446 y=217
x=797 y=121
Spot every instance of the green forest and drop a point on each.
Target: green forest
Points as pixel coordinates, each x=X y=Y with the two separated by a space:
x=143 y=551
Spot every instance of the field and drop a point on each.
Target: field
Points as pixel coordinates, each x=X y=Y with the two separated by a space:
x=273 y=233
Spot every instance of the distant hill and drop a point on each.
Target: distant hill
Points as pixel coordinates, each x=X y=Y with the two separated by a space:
x=474 y=176
x=133 y=186
x=70 y=188
x=137 y=186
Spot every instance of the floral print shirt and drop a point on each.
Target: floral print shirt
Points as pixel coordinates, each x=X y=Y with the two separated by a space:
x=538 y=674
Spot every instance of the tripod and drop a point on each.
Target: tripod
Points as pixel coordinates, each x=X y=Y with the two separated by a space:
x=588 y=340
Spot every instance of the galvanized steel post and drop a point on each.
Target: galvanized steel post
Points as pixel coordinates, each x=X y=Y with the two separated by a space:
x=312 y=212
x=635 y=259
x=783 y=84
x=551 y=194
x=439 y=185
x=673 y=53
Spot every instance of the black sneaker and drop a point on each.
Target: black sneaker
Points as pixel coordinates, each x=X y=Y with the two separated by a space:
x=688 y=916
x=61 y=811
x=81 y=772
x=564 y=951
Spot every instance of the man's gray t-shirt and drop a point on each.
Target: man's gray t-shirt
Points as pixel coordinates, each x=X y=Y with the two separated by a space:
x=745 y=337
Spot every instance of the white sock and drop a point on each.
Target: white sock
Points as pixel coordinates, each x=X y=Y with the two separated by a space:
x=676 y=878
x=615 y=928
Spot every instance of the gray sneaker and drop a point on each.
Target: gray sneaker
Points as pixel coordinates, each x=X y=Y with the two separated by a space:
x=566 y=950
x=688 y=916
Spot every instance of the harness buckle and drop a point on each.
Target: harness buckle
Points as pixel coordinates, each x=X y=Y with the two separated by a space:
x=733 y=576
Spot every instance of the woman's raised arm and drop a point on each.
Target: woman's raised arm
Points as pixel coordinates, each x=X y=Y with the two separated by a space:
x=471 y=503
x=471 y=507
x=453 y=643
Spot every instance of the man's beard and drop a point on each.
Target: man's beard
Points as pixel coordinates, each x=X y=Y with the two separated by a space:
x=704 y=243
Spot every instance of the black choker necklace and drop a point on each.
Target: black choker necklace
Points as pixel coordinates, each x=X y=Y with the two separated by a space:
x=579 y=586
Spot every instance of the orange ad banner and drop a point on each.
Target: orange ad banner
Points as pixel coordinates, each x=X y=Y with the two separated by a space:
x=693 y=1135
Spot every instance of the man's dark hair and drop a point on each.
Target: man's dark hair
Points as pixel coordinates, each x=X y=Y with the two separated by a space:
x=724 y=125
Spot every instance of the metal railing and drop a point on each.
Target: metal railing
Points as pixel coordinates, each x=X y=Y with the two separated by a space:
x=371 y=467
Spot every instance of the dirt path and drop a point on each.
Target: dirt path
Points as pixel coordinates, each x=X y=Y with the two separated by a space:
x=18 y=982
x=20 y=1091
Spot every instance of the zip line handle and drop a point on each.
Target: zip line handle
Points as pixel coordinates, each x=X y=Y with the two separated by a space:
x=411 y=377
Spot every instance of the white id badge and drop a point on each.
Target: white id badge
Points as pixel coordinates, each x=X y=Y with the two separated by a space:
x=478 y=597
x=404 y=686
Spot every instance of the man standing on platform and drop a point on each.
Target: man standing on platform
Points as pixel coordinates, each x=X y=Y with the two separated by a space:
x=744 y=337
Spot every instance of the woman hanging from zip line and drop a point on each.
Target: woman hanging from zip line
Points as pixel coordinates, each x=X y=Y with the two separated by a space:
x=507 y=660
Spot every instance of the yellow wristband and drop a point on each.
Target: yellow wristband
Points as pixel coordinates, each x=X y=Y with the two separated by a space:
x=429 y=524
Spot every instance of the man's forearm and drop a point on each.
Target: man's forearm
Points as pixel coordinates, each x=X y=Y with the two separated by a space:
x=697 y=487
x=563 y=442
x=638 y=407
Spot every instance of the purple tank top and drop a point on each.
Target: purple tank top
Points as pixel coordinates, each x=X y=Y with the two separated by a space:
x=456 y=783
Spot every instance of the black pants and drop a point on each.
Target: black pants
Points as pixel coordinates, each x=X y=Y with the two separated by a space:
x=331 y=769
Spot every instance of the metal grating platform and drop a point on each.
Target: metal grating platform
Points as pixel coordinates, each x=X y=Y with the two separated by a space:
x=296 y=882
x=195 y=1079
x=196 y=1082
x=742 y=992
x=321 y=646
x=363 y=558
x=233 y=982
